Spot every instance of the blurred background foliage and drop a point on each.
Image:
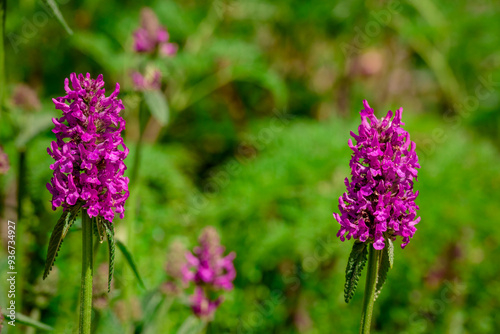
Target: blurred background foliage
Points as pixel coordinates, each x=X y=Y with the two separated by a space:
x=261 y=98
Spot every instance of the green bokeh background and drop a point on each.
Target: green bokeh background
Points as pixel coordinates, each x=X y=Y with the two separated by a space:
x=262 y=97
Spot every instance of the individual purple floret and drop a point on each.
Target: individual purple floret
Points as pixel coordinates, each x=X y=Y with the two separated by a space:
x=88 y=162
x=210 y=271
x=379 y=200
x=151 y=36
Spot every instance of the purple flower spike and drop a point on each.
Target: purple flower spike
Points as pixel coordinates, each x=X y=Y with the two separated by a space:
x=379 y=201
x=151 y=36
x=210 y=271
x=88 y=160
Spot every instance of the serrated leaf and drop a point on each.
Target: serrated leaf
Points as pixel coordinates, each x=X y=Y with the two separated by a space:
x=27 y=321
x=72 y=217
x=355 y=265
x=157 y=105
x=130 y=261
x=55 y=242
x=386 y=262
x=58 y=234
x=94 y=227
x=390 y=250
x=110 y=233
x=101 y=229
x=55 y=9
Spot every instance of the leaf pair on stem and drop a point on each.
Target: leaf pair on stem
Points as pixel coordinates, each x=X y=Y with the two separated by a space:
x=356 y=263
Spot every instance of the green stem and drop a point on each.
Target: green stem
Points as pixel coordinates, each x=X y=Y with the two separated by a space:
x=21 y=183
x=87 y=272
x=371 y=282
x=22 y=229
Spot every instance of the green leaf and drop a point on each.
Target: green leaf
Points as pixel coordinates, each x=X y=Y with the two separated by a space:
x=58 y=234
x=27 y=321
x=53 y=6
x=110 y=233
x=55 y=242
x=264 y=78
x=158 y=106
x=355 y=265
x=390 y=250
x=386 y=262
x=192 y=324
x=72 y=217
x=130 y=261
x=33 y=124
x=101 y=229
x=102 y=49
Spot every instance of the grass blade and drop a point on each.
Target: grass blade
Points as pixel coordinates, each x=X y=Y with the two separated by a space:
x=130 y=261
x=55 y=9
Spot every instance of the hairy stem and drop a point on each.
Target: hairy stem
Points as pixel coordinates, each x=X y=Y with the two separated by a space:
x=371 y=282
x=87 y=273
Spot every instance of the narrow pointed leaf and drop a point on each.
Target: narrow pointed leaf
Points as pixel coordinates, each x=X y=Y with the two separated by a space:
x=58 y=234
x=130 y=261
x=157 y=105
x=101 y=229
x=110 y=233
x=72 y=217
x=55 y=9
x=55 y=242
x=386 y=261
x=355 y=265
x=390 y=250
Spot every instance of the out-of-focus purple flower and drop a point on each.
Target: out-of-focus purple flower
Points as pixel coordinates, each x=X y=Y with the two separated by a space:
x=4 y=162
x=174 y=266
x=168 y=49
x=210 y=271
x=176 y=260
x=379 y=200
x=202 y=306
x=151 y=36
x=1 y=320
x=150 y=81
x=88 y=161
x=26 y=98
x=208 y=265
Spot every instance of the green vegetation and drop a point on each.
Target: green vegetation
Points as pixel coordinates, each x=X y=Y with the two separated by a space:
x=261 y=99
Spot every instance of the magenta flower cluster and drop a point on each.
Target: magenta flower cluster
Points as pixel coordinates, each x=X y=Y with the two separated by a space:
x=210 y=271
x=379 y=201
x=151 y=36
x=88 y=160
